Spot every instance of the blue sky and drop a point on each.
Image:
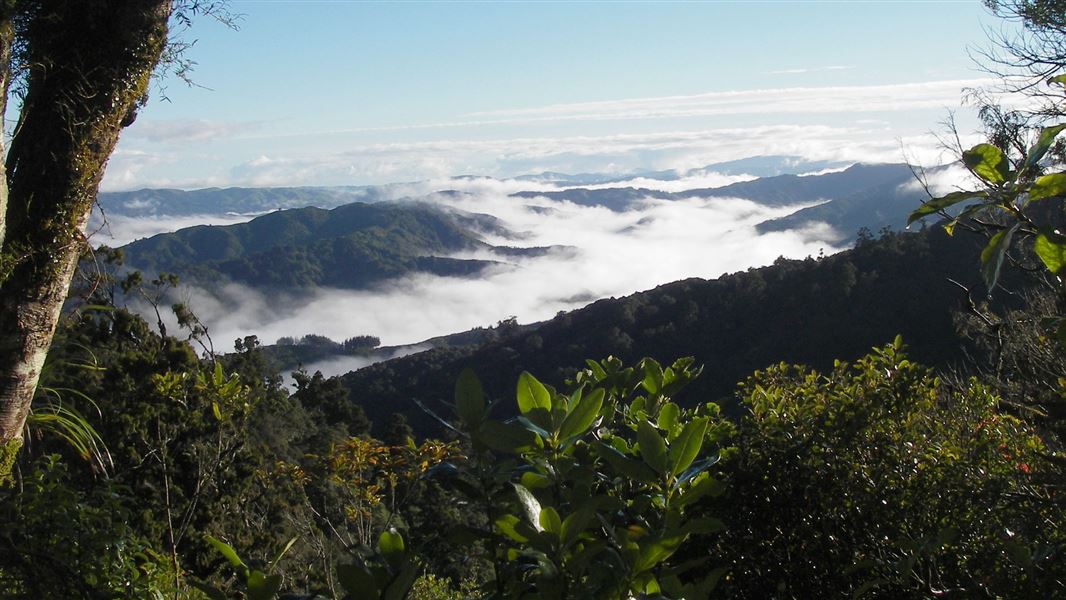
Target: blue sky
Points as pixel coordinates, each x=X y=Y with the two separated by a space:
x=352 y=93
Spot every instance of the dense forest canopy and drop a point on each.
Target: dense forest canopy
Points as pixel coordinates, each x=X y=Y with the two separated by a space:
x=766 y=434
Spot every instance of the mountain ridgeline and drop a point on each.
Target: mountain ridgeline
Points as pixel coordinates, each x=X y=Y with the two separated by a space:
x=352 y=246
x=871 y=196
x=800 y=311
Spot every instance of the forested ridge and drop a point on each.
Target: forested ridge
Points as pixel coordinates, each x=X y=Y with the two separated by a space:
x=351 y=246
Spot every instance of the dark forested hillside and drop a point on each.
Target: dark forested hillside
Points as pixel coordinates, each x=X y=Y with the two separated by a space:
x=351 y=246
x=804 y=311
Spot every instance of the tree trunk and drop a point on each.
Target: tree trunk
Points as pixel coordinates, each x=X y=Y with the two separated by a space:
x=89 y=65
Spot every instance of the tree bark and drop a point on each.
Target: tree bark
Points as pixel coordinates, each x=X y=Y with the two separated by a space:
x=89 y=63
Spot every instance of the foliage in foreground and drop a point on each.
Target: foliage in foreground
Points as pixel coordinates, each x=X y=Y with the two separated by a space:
x=877 y=479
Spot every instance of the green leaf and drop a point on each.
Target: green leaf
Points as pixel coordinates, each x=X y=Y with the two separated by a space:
x=469 y=399
x=653 y=376
x=358 y=581
x=534 y=481
x=1052 y=185
x=549 y=520
x=937 y=204
x=583 y=415
x=215 y=410
x=708 y=486
x=1059 y=79
x=1043 y=144
x=652 y=446
x=1051 y=248
x=511 y=526
x=402 y=583
x=391 y=546
x=227 y=551
x=993 y=254
x=687 y=445
x=656 y=550
x=987 y=162
x=668 y=416
x=507 y=437
x=529 y=504
x=574 y=524
x=534 y=400
x=262 y=586
x=625 y=466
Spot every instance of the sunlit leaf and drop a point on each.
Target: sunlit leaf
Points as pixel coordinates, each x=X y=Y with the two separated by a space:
x=1043 y=144
x=1051 y=248
x=1049 y=186
x=937 y=204
x=226 y=551
x=549 y=520
x=987 y=162
x=391 y=546
x=530 y=505
x=583 y=414
x=668 y=415
x=652 y=446
x=687 y=445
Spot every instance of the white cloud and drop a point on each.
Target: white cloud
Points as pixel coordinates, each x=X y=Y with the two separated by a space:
x=119 y=230
x=188 y=130
x=833 y=99
x=801 y=71
x=618 y=254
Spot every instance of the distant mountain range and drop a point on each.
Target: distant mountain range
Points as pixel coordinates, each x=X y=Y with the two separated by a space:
x=870 y=196
x=213 y=201
x=353 y=246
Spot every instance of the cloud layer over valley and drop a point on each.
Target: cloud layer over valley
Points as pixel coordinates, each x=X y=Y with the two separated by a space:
x=610 y=254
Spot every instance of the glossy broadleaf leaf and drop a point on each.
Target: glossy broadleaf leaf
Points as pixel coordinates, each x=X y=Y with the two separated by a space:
x=391 y=546
x=1051 y=248
x=550 y=521
x=653 y=376
x=1043 y=144
x=530 y=505
x=469 y=399
x=532 y=394
x=626 y=466
x=687 y=445
x=507 y=437
x=574 y=524
x=1052 y=185
x=583 y=415
x=534 y=400
x=987 y=162
x=652 y=446
x=668 y=415
x=511 y=526
x=993 y=254
x=937 y=204
x=262 y=586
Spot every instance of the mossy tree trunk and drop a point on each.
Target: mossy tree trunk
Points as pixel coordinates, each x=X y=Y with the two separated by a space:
x=87 y=68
